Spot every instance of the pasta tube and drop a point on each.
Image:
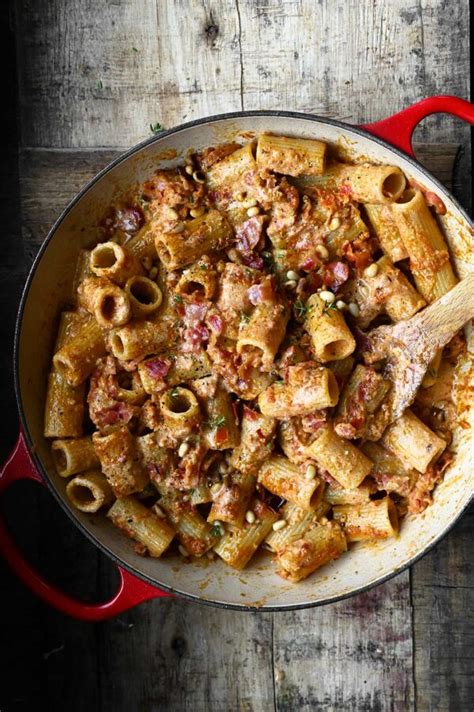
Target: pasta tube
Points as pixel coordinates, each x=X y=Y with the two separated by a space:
x=231 y=168
x=64 y=408
x=141 y=524
x=188 y=367
x=359 y=405
x=376 y=519
x=72 y=456
x=199 y=280
x=386 y=230
x=319 y=545
x=292 y=156
x=180 y=410
x=142 y=244
x=144 y=295
x=140 y=338
x=198 y=237
x=89 y=491
x=298 y=521
x=366 y=183
x=195 y=534
x=107 y=302
x=308 y=387
x=239 y=544
x=229 y=504
x=335 y=494
x=77 y=359
x=221 y=427
x=114 y=262
x=256 y=437
x=344 y=462
x=264 y=333
x=413 y=442
x=283 y=478
x=120 y=461
x=331 y=337
x=429 y=257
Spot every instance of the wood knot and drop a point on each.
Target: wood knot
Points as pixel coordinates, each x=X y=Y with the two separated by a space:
x=211 y=32
x=179 y=646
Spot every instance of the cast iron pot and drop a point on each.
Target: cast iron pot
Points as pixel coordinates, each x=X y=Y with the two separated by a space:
x=387 y=141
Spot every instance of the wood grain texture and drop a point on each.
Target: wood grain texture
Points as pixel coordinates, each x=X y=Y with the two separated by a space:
x=443 y=616
x=187 y=657
x=97 y=74
x=352 y=655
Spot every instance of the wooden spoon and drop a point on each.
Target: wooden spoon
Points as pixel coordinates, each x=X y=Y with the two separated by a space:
x=410 y=346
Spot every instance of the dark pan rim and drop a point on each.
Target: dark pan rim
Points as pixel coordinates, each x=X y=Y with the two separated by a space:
x=32 y=451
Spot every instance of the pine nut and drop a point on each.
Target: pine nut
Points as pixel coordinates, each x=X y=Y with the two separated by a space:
x=179 y=227
x=250 y=517
x=291 y=284
x=173 y=214
x=354 y=309
x=252 y=212
x=153 y=273
x=371 y=270
x=327 y=297
x=334 y=224
x=189 y=169
x=183 y=551
x=322 y=252
x=183 y=449
x=158 y=511
x=341 y=305
x=250 y=203
x=197 y=212
x=199 y=177
x=292 y=275
x=310 y=473
x=216 y=488
x=280 y=524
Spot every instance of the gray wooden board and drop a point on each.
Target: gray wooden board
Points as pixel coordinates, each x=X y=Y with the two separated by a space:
x=367 y=653
x=95 y=75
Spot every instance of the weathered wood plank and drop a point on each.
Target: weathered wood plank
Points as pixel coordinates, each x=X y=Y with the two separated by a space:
x=85 y=84
x=443 y=615
x=352 y=655
x=187 y=657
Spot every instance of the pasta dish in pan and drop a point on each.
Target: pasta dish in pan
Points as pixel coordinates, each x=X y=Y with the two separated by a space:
x=212 y=388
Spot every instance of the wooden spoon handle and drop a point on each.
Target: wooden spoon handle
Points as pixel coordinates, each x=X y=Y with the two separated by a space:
x=442 y=319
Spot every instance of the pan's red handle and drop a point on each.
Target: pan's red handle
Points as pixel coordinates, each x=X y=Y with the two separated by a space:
x=131 y=590
x=398 y=129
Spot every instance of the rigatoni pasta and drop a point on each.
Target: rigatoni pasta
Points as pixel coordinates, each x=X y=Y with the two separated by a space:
x=209 y=387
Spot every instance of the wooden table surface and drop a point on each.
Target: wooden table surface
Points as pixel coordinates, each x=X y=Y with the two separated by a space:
x=91 y=78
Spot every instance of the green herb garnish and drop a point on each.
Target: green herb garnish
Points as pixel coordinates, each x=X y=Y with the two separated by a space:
x=156 y=128
x=216 y=530
x=244 y=317
x=178 y=299
x=301 y=309
x=328 y=308
x=174 y=393
x=99 y=84
x=134 y=49
x=217 y=422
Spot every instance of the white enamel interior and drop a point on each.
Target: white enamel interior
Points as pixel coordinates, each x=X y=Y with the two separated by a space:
x=257 y=585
